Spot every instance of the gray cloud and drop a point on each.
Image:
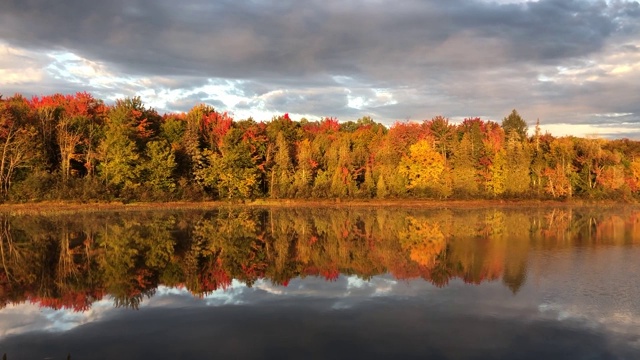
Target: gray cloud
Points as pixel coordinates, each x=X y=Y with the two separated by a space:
x=456 y=58
x=268 y=39
x=184 y=104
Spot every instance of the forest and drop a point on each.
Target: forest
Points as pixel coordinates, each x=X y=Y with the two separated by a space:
x=77 y=148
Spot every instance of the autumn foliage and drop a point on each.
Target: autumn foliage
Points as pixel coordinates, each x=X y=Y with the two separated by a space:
x=76 y=147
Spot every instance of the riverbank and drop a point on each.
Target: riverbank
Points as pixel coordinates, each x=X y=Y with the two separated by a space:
x=45 y=208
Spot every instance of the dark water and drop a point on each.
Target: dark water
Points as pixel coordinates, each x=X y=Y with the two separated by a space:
x=323 y=283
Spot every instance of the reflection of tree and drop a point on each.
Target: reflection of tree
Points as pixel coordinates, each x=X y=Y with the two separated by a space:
x=14 y=265
x=444 y=269
x=423 y=240
x=241 y=245
x=121 y=262
x=71 y=262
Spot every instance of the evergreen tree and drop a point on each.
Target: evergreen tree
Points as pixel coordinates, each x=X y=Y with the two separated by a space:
x=304 y=174
x=381 y=188
x=537 y=161
x=119 y=151
x=281 y=172
x=518 y=160
x=514 y=122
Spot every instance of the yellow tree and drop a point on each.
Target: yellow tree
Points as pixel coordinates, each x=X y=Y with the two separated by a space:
x=498 y=170
x=634 y=179
x=424 y=240
x=611 y=174
x=305 y=170
x=464 y=172
x=560 y=170
x=590 y=157
x=424 y=168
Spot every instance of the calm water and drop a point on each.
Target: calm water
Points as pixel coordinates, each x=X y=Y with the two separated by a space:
x=322 y=283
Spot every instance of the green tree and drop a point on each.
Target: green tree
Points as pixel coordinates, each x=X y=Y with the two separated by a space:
x=173 y=129
x=591 y=158
x=282 y=170
x=515 y=122
x=443 y=135
x=118 y=151
x=158 y=166
x=518 y=160
x=232 y=172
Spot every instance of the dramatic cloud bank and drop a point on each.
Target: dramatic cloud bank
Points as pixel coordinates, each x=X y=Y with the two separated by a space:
x=574 y=64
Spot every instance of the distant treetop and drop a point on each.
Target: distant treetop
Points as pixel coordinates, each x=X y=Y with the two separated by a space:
x=514 y=122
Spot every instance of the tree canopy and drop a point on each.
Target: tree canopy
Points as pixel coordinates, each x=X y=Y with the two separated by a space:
x=76 y=147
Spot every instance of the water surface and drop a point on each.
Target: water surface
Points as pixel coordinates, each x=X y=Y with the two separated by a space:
x=323 y=283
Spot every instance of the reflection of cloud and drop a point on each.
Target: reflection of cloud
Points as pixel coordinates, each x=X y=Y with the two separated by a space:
x=588 y=291
x=347 y=292
x=615 y=323
x=29 y=317
x=16 y=319
x=557 y=300
x=229 y=296
x=489 y=321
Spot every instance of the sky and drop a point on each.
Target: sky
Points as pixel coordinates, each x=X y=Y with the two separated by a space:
x=572 y=64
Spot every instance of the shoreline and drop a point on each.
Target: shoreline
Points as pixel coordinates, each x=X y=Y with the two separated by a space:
x=66 y=207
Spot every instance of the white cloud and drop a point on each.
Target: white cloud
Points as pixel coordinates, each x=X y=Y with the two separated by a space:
x=29 y=317
x=19 y=66
x=589 y=130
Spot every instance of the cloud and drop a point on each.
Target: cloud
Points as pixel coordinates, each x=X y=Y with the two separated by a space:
x=19 y=66
x=557 y=60
x=185 y=103
x=270 y=39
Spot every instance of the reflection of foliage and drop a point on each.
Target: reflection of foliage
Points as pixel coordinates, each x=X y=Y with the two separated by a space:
x=131 y=256
x=443 y=269
x=424 y=240
x=71 y=262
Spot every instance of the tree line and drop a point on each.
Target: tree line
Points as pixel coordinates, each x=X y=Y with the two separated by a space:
x=76 y=147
